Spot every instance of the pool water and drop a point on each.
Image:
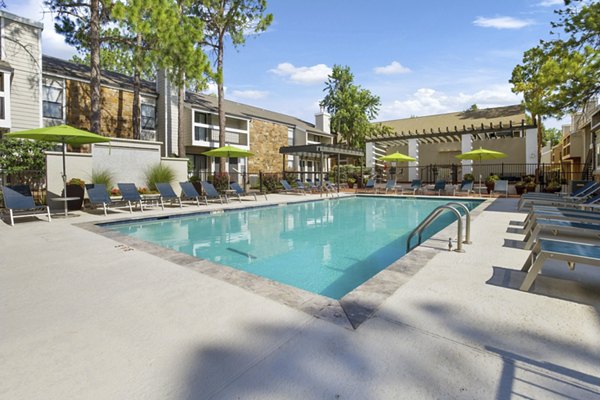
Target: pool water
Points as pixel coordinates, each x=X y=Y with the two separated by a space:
x=327 y=247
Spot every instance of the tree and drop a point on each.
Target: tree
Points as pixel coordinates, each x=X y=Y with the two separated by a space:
x=552 y=135
x=351 y=107
x=233 y=19
x=23 y=155
x=81 y=24
x=473 y=107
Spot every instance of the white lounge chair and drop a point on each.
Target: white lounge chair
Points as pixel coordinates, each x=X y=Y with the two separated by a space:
x=559 y=227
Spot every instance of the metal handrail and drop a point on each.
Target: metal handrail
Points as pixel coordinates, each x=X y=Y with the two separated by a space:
x=430 y=218
x=467 y=218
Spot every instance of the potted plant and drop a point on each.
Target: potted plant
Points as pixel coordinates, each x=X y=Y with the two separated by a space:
x=490 y=182
x=520 y=187
x=468 y=177
x=75 y=188
x=553 y=187
x=530 y=184
x=351 y=182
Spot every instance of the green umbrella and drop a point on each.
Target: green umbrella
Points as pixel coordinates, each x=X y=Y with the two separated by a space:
x=228 y=151
x=481 y=154
x=397 y=157
x=63 y=134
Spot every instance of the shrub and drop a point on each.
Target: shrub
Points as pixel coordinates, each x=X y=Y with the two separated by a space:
x=269 y=182
x=469 y=177
x=492 y=179
x=76 y=181
x=103 y=176
x=159 y=173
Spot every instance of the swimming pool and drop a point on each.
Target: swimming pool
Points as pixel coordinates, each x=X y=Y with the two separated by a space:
x=327 y=247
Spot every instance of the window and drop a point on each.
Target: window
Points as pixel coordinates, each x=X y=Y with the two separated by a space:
x=201 y=126
x=5 y=99
x=290 y=137
x=148 y=116
x=2 y=105
x=52 y=99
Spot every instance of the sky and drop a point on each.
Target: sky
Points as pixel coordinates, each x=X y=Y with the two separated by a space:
x=420 y=57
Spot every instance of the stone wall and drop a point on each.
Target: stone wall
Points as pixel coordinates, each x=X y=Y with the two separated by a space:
x=265 y=140
x=116 y=109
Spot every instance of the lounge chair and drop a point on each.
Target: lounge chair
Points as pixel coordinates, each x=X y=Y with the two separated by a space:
x=570 y=252
x=560 y=227
x=240 y=192
x=210 y=193
x=331 y=188
x=576 y=197
x=582 y=191
x=439 y=187
x=99 y=196
x=313 y=187
x=167 y=193
x=569 y=214
x=189 y=192
x=300 y=185
x=501 y=186
x=130 y=195
x=390 y=185
x=370 y=185
x=18 y=200
x=416 y=185
x=287 y=188
x=465 y=187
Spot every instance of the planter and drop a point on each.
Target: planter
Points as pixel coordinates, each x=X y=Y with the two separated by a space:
x=490 y=186
x=530 y=188
x=75 y=191
x=520 y=190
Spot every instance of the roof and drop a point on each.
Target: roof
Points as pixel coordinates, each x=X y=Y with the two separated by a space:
x=68 y=69
x=318 y=149
x=209 y=103
x=22 y=20
x=487 y=122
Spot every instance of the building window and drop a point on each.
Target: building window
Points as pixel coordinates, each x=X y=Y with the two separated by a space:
x=201 y=126
x=290 y=137
x=148 y=116
x=52 y=99
x=2 y=103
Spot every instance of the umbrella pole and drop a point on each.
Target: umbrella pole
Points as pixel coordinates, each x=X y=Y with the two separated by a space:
x=64 y=172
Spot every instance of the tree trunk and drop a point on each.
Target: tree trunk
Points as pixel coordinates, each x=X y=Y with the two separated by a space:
x=136 y=119
x=221 y=100
x=180 y=125
x=95 y=79
x=539 y=147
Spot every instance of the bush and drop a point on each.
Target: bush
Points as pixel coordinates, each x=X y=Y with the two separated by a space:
x=103 y=177
x=76 y=181
x=220 y=180
x=159 y=173
x=270 y=182
x=469 y=177
x=492 y=179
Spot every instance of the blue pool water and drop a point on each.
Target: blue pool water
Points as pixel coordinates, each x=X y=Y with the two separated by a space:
x=326 y=247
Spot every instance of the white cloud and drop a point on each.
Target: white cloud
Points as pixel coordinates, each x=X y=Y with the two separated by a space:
x=550 y=3
x=249 y=94
x=394 y=68
x=502 y=22
x=211 y=88
x=303 y=75
x=53 y=44
x=427 y=101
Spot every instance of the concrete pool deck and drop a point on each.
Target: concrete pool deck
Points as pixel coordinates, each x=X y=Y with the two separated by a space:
x=83 y=316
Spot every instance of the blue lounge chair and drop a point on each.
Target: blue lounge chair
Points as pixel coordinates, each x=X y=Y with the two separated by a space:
x=439 y=187
x=167 y=193
x=570 y=252
x=560 y=227
x=570 y=214
x=240 y=192
x=98 y=196
x=18 y=200
x=415 y=186
x=189 y=192
x=465 y=187
x=287 y=188
x=590 y=190
x=312 y=186
x=390 y=185
x=501 y=186
x=130 y=195
x=210 y=193
x=300 y=185
x=370 y=185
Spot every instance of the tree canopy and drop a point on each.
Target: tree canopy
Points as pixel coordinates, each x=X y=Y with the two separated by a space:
x=351 y=107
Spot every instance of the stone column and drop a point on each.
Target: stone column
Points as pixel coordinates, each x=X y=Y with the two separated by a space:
x=413 y=151
x=466 y=144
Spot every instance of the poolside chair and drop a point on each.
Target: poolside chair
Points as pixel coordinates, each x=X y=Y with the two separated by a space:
x=167 y=193
x=300 y=185
x=439 y=187
x=331 y=188
x=582 y=191
x=390 y=185
x=98 y=196
x=465 y=187
x=287 y=188
x=210 y=193
x=560 y=227
x=415 y=186
x=130 y=195
x=312 y=186
x=570 y=214
x=577 y=196
x=240 y=192
x=18 y=200
x=568 y=251
x=501 y=186
x=189 y=193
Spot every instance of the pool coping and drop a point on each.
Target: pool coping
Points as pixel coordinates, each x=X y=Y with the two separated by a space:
x=349 y=312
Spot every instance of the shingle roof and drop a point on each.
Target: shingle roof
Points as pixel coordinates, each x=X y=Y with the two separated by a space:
x=53 y=65
x=209 y=103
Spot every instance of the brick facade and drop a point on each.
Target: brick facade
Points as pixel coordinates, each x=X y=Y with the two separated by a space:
x=266 y=139
x=116 y=109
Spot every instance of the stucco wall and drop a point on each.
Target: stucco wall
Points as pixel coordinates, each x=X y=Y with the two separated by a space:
x=266 y=139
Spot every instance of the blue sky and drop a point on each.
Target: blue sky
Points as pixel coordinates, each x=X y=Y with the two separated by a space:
x=420 y=57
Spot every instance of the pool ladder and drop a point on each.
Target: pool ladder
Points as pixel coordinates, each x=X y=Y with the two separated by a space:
x=452 y=207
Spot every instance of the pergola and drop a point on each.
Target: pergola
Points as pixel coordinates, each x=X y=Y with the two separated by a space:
x=320 y=151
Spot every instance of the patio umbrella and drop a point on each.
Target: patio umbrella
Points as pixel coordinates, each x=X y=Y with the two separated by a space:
x=63 y=134
x=481 y=154
x=397 y=157
x=228 y=152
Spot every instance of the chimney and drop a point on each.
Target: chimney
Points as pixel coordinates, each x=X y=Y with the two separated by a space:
x=322 y=120
x=166 y=113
